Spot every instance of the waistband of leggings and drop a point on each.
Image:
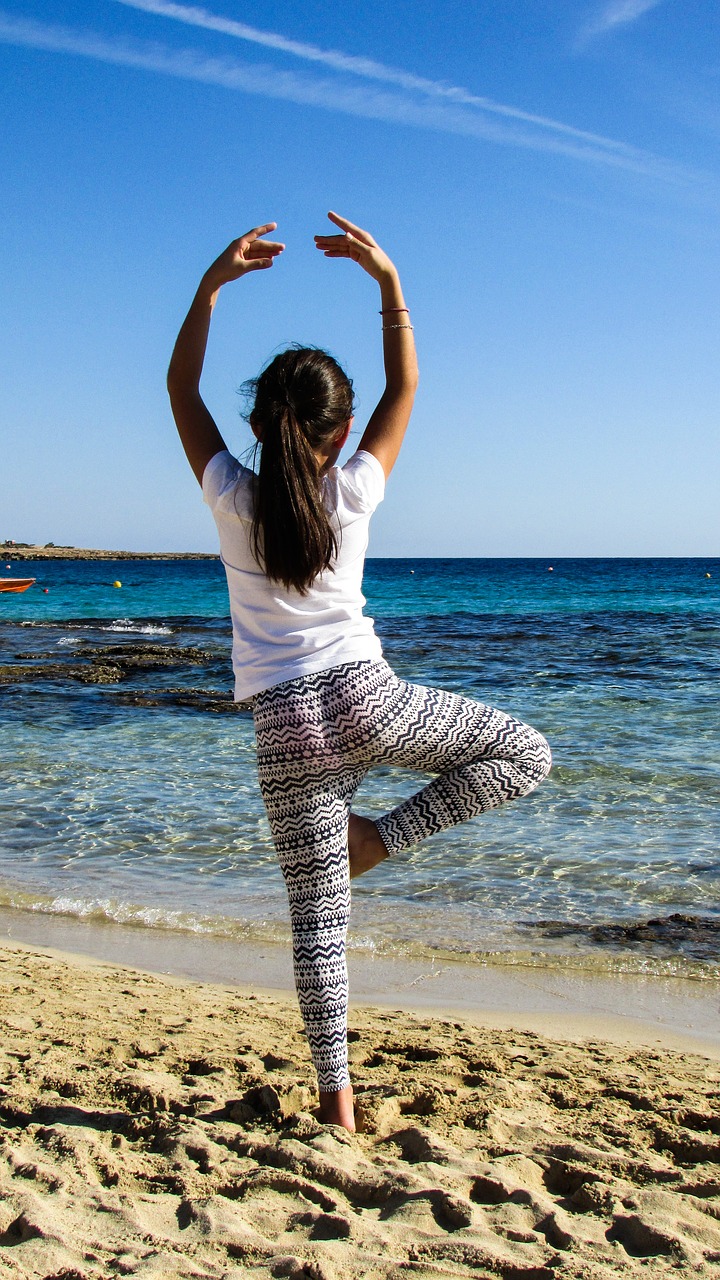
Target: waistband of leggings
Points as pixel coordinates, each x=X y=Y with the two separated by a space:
x=303 y=685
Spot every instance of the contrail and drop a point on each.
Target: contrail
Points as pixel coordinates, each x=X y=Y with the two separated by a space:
x=369 y=69
x=328 y=93
x=618 y=14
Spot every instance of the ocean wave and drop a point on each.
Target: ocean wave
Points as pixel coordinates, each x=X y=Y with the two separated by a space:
x=615 y=959
x=138 y=628
x=153 y=624
x=142 y=916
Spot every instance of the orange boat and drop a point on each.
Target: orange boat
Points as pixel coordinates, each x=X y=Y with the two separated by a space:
x=16 y=584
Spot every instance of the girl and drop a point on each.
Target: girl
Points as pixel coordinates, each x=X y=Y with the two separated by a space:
x=326 y=706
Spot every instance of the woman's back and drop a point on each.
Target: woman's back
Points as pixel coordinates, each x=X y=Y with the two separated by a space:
x=280 y=633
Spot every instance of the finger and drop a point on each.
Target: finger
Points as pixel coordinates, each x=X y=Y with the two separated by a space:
x=265 y=247
x=342 y=243
x=344 y=223
x=259 y=231
x=363 y=236
x=259 y=264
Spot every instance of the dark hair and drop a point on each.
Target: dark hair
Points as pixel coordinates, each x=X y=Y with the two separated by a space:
x=303 y=399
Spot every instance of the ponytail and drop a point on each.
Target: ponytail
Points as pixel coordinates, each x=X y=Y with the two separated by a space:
x=302 y=402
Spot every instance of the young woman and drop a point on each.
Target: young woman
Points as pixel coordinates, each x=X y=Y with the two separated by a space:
x=326 y=706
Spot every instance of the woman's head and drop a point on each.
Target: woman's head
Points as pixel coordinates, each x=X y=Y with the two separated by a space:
x=303 y=404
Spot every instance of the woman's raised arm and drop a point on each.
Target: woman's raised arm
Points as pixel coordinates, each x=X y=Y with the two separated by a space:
x=384 y=433
x=200 y=437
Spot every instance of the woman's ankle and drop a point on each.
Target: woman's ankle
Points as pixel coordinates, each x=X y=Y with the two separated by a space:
x=336 y=1107
x=365 y=845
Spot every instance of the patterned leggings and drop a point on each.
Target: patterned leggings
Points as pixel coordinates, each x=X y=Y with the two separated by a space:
x=316 y=738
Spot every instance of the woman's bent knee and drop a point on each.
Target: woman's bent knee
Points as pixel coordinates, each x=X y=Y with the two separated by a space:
x=536 y=757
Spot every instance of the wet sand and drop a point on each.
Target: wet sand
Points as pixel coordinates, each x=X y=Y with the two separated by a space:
x=577 y=1000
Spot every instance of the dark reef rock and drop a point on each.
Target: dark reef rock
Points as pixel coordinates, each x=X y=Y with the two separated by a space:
x=192 y=699
x=100 y=673
x=697 y=936
x=128 y=657
x=127 y=664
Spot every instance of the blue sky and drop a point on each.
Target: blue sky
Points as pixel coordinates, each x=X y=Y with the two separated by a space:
x=545 y=175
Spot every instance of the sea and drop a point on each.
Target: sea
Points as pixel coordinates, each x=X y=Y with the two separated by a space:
x=128 y=790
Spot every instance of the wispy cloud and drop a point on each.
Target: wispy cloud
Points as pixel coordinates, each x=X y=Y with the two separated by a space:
x=619 y=13
x=369 y=69
x=341 y=95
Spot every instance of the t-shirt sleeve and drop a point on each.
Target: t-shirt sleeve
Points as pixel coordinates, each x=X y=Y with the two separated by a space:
x=220 y=474
x=362 y=482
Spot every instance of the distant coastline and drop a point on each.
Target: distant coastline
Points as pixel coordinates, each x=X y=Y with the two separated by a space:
x=23 y=551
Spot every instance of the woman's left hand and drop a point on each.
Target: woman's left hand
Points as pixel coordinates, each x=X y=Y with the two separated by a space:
x=358 y=245
x=249 y=253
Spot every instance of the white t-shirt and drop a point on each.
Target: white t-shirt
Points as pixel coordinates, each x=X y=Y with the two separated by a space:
x=279 y=634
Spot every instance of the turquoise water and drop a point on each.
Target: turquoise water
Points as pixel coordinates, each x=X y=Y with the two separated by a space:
x=394 y=588
x=136 y=800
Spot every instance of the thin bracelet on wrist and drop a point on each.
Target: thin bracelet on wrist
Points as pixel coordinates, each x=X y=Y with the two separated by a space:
x=397 y=326
x=386 y=310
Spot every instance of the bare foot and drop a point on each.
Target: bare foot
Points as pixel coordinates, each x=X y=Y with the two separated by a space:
x=337 y=1108
x=365 y=846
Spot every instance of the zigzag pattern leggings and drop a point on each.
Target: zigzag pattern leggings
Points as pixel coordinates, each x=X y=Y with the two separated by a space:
x=316 y=738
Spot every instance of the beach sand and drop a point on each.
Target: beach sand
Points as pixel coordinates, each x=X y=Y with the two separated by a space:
x=154 y=1127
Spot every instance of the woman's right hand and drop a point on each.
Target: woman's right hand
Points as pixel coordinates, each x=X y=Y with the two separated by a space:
x=358 y=245
x=248 y=253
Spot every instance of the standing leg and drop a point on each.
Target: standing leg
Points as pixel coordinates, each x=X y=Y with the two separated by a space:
x=307 y=793
x=310 y=835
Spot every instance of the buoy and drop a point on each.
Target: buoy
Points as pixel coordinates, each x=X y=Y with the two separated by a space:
x=45 y=591
x=7 y=566
x=708 y=575
x=550 y=569
x=116 y=583
x=412 y=571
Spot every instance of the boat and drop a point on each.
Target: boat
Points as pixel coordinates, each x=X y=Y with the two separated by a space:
x=16 y=584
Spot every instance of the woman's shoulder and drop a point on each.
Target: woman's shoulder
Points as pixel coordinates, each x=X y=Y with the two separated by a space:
x=359 y=485
x=225 y=476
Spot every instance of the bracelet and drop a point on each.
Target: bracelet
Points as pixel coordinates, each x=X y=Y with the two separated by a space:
x=397 y=326
x=386 y=310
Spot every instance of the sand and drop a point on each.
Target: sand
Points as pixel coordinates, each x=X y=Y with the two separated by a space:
x=162 y=1128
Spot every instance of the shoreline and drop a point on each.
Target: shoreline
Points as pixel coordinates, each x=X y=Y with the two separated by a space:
x=87 y=553
x=643 y=1010
x=37 y=551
